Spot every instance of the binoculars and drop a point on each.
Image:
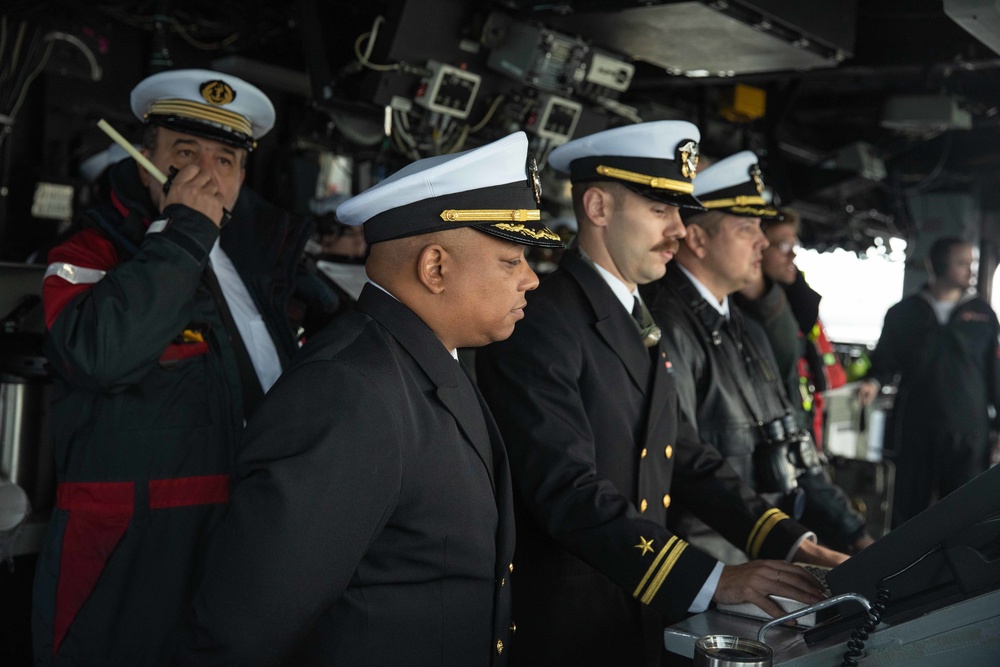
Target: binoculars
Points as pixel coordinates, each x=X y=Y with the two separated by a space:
x=785 y=452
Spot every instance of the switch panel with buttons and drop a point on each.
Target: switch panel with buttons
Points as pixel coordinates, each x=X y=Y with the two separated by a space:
x=448 y=90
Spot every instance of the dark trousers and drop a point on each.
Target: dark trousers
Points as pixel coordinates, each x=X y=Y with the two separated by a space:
x=931 y=462
x=583 y=619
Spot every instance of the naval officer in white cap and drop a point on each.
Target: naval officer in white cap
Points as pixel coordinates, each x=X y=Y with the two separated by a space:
x=372 y=522
x=583 y=394
x=163 y=333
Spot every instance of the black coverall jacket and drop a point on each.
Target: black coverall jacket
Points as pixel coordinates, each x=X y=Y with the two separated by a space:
x=728 y=388
x=948 y=375
x=146 y=412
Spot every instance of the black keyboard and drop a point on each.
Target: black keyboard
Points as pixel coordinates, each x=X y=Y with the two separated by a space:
x=819 y=572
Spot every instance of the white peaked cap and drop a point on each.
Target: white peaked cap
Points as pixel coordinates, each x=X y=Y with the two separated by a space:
x=656 y=139
x=657 y=160
x=725 y=173
x=735 y=186
x=490 y=188
x=205 y=103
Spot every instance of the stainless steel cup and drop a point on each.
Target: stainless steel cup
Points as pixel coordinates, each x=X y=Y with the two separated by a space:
x=731 y=651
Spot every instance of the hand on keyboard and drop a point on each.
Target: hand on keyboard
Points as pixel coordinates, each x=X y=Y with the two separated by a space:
x=786 y=604
x=761 y=582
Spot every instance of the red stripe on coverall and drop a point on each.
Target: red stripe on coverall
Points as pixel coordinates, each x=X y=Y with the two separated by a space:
x=99 y=514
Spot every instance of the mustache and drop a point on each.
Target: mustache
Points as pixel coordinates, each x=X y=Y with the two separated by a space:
x=670 y=245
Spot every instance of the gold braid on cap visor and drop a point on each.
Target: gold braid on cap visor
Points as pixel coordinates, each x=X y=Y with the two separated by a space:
x=642 y=179
x=741 y=200
x=542 y=233
x=501 y=219
x=185 y=109
x=490 y=215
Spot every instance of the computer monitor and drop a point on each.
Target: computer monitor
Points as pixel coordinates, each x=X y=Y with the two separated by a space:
x=946 y=553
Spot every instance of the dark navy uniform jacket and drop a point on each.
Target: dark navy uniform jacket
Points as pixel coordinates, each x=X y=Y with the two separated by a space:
x=599 y=451
x=372 y=522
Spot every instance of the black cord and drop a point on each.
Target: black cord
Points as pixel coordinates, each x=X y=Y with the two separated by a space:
x=856 y=644
x=873 y=616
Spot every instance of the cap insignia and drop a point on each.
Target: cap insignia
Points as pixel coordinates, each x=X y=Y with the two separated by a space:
x=757 y=180
x=217 y=92
x=536 y=182
x=689 y=159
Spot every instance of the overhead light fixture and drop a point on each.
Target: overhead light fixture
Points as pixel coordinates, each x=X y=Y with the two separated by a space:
x=715 y=38
x=979 y=18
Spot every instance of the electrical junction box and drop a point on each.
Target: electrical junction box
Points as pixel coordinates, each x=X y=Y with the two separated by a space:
x=53 y=201
x=555 y=119
x=538 y=57
x=609 y=72
x=925 y=113
x=554 y=62
x=861 y=158
x=449 y=90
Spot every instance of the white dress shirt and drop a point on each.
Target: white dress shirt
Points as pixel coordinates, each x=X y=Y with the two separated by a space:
x=251 y=326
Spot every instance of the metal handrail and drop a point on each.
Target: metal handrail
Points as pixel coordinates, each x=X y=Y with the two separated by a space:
x=829 y=602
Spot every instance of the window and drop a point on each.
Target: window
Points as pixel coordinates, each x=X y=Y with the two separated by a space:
x=857 y=291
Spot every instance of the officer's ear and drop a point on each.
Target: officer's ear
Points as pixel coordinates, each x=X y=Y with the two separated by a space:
x=697 y=240
x=431 y=267
x=598 y=204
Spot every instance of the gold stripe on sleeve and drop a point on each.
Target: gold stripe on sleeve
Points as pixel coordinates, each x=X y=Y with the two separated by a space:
x=661 y=576
x=652 y=568
x=762 y=528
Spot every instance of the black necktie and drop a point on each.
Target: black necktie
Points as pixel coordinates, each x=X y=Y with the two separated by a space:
x=647 y=328
x=637 y=312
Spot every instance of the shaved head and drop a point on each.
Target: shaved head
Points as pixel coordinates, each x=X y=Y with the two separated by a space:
x=466 y=285
x=390 y=261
